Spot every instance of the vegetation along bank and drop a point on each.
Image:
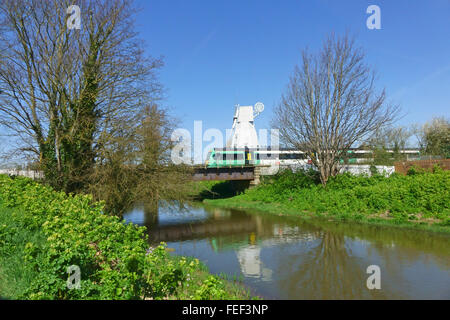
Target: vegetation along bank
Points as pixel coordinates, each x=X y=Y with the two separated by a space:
x=43 y=232
x=419 y=199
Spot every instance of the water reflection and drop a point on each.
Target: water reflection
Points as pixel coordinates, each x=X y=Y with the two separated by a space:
x=281 y=257
x=250 y=263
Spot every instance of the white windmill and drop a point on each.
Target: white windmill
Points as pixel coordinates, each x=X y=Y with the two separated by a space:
x=243 y=132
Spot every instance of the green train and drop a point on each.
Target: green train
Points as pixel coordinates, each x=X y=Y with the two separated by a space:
x=226 y=157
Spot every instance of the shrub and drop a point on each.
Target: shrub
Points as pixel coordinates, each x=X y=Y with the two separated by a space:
x=426 y=193
x=212 y=288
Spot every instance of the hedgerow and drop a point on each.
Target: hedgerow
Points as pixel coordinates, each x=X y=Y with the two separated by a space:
x=114 y=258
x=401 y=197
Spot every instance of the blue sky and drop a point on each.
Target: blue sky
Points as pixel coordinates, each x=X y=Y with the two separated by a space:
x=221 y=53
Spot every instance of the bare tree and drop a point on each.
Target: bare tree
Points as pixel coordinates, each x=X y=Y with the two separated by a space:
x=330 y=104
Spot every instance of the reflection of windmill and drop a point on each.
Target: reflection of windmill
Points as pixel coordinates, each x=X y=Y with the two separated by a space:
x=243 y=132
x=250 y=263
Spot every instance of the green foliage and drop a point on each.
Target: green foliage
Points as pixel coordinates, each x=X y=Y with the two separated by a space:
x=167 y=275
x=212 y=288
x=17 y=245
x=401 y=197
x=113 y=256
x=373 y=170
x=413 y=170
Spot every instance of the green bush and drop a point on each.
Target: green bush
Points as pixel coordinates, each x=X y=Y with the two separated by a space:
x=426 y=193
x=212 y=288
x=113 y=256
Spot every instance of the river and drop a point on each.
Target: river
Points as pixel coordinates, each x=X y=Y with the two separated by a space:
x=280 y=257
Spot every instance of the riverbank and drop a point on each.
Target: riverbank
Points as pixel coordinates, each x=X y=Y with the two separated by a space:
x=44 y=232
x=419 y=201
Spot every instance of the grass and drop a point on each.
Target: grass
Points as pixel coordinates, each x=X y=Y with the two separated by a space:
x=15 y=275
x=279 y=209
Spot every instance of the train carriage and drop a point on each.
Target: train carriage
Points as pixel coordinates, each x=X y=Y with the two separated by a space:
x=229 y=157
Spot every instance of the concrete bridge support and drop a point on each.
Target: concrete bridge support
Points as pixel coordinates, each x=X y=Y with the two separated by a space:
x=256 y=177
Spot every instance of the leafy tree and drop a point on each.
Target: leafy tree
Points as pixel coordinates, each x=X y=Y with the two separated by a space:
x=434 y=137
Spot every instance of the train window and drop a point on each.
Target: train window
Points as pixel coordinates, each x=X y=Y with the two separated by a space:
x=266 y=156
x=229 y=156
x=292 y=156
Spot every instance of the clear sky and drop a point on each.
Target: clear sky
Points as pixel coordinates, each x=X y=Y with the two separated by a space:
x=221 y=53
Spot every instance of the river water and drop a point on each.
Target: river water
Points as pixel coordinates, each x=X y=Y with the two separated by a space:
x=279 y=257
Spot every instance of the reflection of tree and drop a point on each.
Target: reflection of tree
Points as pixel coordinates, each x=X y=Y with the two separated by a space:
x=411 y=245
x=222 y=229
x=151 y=213
x=327 y=271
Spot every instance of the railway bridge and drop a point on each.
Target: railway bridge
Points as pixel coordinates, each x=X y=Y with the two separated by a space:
x=249 y=173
